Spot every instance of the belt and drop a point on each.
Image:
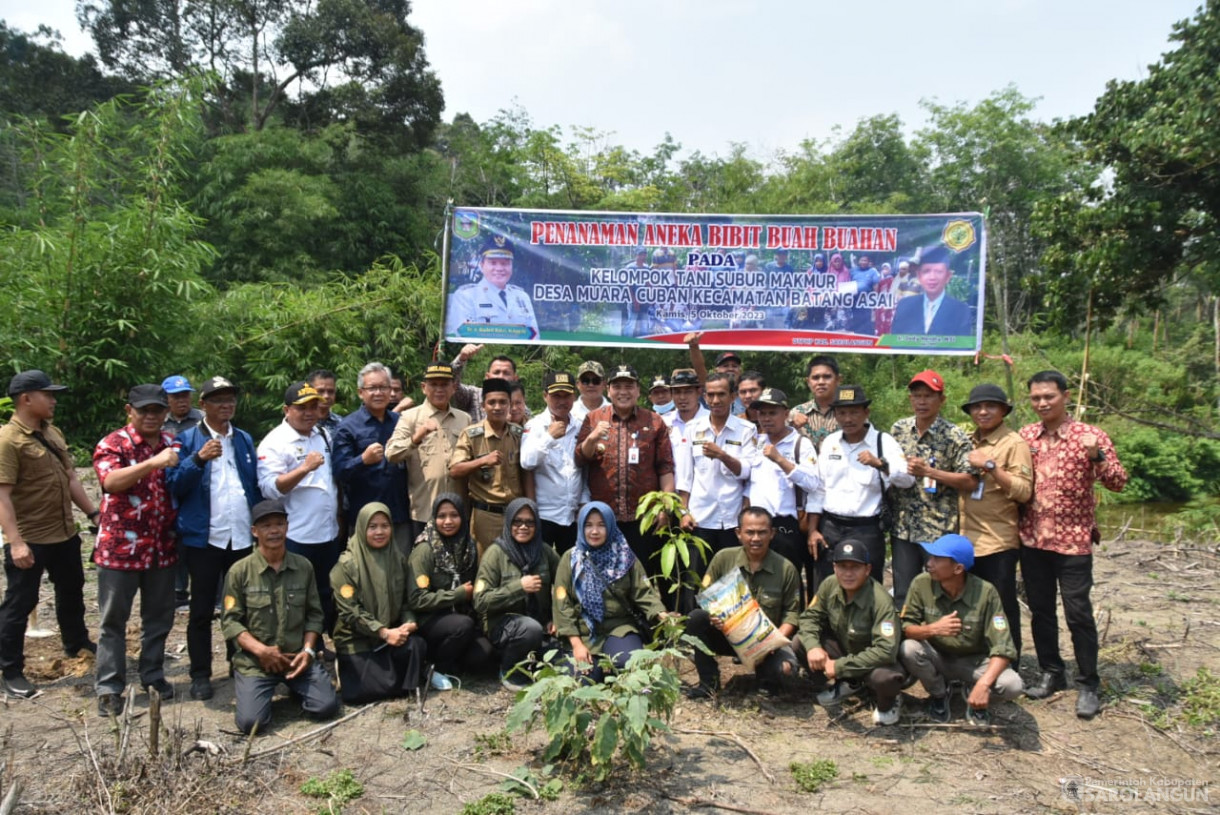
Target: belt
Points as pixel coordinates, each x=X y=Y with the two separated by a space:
x=496 y=508
x=843 y=520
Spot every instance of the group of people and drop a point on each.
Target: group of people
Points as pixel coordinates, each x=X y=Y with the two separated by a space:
x=427 y=541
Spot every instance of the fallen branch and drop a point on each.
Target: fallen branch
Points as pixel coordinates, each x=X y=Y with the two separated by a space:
x=703 y=802
x=733 y=737
x=312 y=734
x=11 y=798
x=476 y=768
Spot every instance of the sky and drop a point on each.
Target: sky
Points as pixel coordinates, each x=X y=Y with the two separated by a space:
x=768 y=74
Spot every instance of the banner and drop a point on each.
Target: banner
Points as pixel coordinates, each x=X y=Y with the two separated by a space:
x=870 y=284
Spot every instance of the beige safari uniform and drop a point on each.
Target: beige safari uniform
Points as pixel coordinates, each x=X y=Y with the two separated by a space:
x=491 y=488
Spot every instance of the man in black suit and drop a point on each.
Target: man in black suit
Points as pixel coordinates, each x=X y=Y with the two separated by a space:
x=934 y=312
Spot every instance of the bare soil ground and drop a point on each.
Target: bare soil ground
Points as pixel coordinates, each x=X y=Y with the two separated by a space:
x=1158 y=608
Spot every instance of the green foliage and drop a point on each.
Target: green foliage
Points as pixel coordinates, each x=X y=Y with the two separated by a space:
x=811 y=775
x=338 y=788
x=594 y=727
x=493 y=803
x=677 y=544
x=1164 y=467
x=487 y=745
x=525 y=784
x=414 y=740
x=1201 y=699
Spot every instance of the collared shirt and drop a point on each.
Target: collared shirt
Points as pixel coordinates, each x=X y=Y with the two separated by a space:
x=230 y=510
x=275 y=607
x=613 y=477
x=632 y=590
x=579 y=411
x=174 y=426
x=930 y=307
x=479 y=307
x=776 y=585
x=928 y=509
x=558 y=482
x=866 y=627
x=715 y=493
x=984 y=626
x=41 y=481
x=313 y=504
x=989 y=514
x=821 y=422
x=136 y=527
x=773 y=489
x=428 y=462
x=851 y=489
x=492 y=485
x=1061 y=515
x=363 y=483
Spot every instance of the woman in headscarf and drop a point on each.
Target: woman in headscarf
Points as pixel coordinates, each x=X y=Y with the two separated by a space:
x=513 y=590
x=379 y=651
x=601 y=590
x=443 y=565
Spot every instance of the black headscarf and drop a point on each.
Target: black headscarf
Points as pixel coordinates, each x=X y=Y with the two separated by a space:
x=457 y=554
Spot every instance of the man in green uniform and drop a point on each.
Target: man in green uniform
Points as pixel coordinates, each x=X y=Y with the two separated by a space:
x=273 y=615
x=850 y=633
x=487 y=459
x=773 y=582
x=954 y=629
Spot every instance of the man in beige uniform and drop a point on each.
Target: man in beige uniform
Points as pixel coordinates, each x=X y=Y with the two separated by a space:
x=424 y=438
x=487 y=457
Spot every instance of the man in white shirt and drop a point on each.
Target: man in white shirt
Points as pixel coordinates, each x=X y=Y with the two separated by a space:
x=548 y=448
x=781 y=478
x=215 y=484
x=684 y=389
x=591 y=384
x=294 y=463
x=856 y=464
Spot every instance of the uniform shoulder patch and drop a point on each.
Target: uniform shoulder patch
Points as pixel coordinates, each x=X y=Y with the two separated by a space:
x=423 y=581
x=814 y=601
x=347 y=591
x=479 y=586
x=474 y=431
x=230 y=601
x=561 y=592
x=999 y=622
x=887 y=628
x=515 y=429
x=707 y=580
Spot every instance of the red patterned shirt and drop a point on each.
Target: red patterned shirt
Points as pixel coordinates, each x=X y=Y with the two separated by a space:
x=135 y=531
x=1060 y=517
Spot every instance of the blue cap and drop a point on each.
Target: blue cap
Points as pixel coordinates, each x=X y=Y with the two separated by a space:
x=176 y=384
x=956 y=547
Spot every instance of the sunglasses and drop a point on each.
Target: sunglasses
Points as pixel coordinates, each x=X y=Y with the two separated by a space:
x=590 y=380
x=524 y=524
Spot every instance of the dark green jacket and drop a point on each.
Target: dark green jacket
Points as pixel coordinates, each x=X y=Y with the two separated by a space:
x=355 y=627
x=866 y=628
x=277 y=608
x=498 y=592
x=634 y=587
x=984 y=626
x=776 y=585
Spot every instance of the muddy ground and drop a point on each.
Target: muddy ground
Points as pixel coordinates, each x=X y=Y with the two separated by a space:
x=1158 y=609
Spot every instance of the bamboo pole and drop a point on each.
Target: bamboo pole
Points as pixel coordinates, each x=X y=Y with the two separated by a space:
x=1082 y=399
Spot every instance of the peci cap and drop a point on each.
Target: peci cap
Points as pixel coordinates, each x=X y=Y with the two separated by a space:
x=145 y=395
x=988 y=392
x=930 y=378
x=558 y=382
x=271 y=506
x=439 y=370
x=771 y=396
x=937 y=253
x=591 y=367
x=300 y=393
x=658 y=381
x=954 y=547
x=850 y=551
x=34 y=380
x=497 y=386
x=215 y=385
x=684 y=378
x=850 y=396
x=496 y=246
x=726 y=356
x=177 y=384
x=624 y=372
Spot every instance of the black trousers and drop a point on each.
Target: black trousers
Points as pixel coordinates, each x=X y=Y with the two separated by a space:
x=323 y=557
x=794 y=546
x=61 y=561
x=207 y=566
x=385 y=673
x=454 y=641
x=1072 y=577
x=867 y=531
x=562 y=538
x=1000 y=570
x=646 y=549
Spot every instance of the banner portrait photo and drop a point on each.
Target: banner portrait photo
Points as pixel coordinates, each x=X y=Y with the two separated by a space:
x=871 y=284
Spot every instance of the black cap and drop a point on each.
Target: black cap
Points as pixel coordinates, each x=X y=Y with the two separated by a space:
x=658 y=381
x=496 y=246
x=28 y=381
x=684 y=378
x=726 y=356
x=558 y=382
x=850 y=396
x=771 y=396
x=300 y=393
x=217 y=384
x=271 y=506
x=850 y=550
x=145 y=395
x=988 y=392
x=624 y=372
x=439 y=370
x=497 y=386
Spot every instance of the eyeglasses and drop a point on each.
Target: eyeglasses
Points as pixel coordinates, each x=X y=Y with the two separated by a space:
x=516 y=524
x=377 y=389
x=149 y=410
x=590 y=380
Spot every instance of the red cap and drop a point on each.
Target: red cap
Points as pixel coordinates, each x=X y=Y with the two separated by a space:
x=930 y=378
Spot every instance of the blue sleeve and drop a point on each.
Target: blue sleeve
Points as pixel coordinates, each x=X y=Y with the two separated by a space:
x=185 y=478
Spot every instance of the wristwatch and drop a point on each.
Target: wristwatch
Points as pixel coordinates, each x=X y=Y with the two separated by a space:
x=885 y=465
x=1101 y=456
x=989 y=466
x=312 y=653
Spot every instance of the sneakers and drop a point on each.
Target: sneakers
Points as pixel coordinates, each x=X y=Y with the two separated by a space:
x=18 y=686
x=938 y=709
x=110 y=704
x=440 y=681
x=837 y=692
x=201 y=688
x=512 y=683
x=887 y=718
x=162 y=688
x=978 y=717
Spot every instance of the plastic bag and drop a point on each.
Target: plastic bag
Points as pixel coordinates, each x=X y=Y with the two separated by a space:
x=746 y=627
